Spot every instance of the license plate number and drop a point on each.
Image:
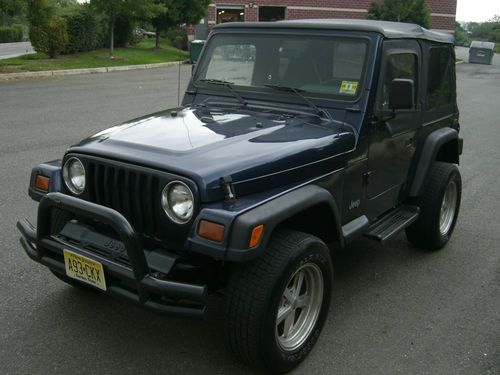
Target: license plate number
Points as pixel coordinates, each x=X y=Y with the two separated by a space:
x=84 y=269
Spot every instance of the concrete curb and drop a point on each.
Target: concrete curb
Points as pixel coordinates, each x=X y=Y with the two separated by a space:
x=70 y=72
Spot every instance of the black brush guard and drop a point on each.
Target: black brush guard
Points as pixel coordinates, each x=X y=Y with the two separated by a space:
x=136 y=283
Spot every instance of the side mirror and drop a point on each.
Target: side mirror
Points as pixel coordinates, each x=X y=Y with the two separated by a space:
x=193 y=67
x=401 y=94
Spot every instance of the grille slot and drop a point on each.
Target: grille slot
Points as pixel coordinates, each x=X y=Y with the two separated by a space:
x=135 y=194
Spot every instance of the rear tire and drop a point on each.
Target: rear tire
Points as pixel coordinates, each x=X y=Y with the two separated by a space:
x=276 y=305
x=439 y=207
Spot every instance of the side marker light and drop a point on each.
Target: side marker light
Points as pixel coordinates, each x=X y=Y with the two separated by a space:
x=256 y=235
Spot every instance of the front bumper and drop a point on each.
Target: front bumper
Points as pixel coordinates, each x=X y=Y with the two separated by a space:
x=136 y=283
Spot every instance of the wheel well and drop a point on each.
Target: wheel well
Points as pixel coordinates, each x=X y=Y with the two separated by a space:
x=448 y=152
x=317 y=220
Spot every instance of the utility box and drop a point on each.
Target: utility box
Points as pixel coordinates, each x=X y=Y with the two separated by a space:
x=195 y=49
x=481 y=52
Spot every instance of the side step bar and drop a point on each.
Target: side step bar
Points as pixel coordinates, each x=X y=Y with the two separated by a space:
x=392 y=223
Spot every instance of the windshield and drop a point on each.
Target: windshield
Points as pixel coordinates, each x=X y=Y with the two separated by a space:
x=327 y=66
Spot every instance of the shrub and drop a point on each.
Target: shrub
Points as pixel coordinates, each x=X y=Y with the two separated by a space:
x=180 y=43
x=50 y=38
x=178 y=37
x=11 y=34
x=86 y=30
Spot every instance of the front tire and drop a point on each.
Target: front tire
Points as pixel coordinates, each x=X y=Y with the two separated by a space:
x=439 y=207
x=276 y=305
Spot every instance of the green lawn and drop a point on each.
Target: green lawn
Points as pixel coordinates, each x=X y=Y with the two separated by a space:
x=143 y=53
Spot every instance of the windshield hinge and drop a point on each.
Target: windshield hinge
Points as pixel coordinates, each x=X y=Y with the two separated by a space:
x=226 y=183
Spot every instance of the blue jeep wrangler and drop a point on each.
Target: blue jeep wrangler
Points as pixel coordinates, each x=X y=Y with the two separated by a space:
x=294 y=139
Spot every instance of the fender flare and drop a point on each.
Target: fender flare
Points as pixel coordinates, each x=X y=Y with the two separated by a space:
x=429 y=151
x=274 y=212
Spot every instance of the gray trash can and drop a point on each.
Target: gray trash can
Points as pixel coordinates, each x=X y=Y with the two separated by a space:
x=481 y=52
x=195 y=49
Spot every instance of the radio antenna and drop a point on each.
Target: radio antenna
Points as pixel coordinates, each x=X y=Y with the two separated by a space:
x=179 y=81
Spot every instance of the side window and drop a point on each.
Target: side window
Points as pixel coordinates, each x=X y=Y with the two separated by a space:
x=440 y=81
x=401 y=65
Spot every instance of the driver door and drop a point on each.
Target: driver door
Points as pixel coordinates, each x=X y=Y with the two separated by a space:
x=392 y=143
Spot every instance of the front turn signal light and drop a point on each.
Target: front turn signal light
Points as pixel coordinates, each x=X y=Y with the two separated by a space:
x=42 y=183
x=256 y=235
x=211 y=231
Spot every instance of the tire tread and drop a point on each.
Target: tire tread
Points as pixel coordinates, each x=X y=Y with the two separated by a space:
x=248 y=291
x=424 y=233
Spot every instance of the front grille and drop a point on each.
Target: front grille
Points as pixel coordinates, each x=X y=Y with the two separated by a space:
x=135 y=194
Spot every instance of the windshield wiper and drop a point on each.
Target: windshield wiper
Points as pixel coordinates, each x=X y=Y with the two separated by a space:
x=299 y=92
x=227 y=84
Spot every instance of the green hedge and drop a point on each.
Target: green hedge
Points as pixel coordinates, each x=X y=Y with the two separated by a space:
x=50 y=38
x=178 y=37
x=11 y=34
x=86 y=30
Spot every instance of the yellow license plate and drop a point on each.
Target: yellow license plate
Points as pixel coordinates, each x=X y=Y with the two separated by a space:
x=84 y=269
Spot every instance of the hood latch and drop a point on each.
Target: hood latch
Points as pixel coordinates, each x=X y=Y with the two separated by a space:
x=226 y=183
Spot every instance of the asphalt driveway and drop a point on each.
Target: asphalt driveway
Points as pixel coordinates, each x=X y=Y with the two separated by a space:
x=395 y=310
x=8 y=50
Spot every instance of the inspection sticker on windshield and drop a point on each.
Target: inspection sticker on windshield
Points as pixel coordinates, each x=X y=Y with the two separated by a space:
x=349 y=87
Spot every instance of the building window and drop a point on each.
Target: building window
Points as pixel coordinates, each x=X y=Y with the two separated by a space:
x=268 y=14
x=230 y=14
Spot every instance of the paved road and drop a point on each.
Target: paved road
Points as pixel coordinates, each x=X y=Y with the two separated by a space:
x=8 y=50
x=395 y=310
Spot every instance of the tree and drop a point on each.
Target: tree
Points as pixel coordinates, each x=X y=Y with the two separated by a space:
x=10 y=9
x=178 y=12
x=412 y=11
x=48 y=32
x=131 y=9
x=461 y=36
x=65 y=3
x=486 y=31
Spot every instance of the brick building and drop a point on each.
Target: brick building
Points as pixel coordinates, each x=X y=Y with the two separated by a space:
x=443 y=11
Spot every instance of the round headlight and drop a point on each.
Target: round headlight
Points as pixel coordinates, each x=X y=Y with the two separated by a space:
x=177 y=202
x=74 y=175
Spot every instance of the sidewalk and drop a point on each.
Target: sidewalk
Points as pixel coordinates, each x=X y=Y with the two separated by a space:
x=69 y=72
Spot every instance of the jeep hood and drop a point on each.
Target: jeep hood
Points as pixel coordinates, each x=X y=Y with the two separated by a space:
x=259 y=149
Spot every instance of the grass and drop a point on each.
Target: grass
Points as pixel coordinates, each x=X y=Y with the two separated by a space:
x=143 y=53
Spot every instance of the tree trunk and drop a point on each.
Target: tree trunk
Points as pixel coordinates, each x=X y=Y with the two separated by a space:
x=157 y=46
x=112 y=22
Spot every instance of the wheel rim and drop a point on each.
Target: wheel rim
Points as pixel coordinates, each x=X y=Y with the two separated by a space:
x=299 y=307
x=448 y=208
